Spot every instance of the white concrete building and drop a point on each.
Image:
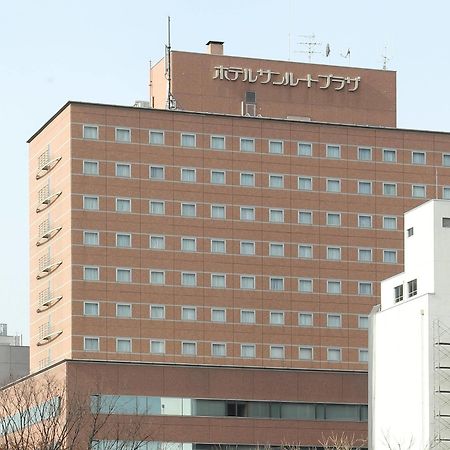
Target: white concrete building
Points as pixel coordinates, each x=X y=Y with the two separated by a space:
x=409 y=367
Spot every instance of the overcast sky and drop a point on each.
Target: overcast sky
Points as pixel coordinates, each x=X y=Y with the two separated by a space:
x=99 y=51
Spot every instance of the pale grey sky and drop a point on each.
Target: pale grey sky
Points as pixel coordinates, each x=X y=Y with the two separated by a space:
x=98 y=50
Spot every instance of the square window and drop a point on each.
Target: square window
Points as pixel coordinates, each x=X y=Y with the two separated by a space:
x=446 y=222
x=218 y=280
x=90 y=131
x=188 y=140
x=334 y=321
x=304 y=183
x=91 y=344
x=418 y=158
x=333 y=219
x=157 y=172
x=91 y=308
x=157 y=242
x=363 y=355
x=390 y=256
x=156 y=137
x=305 y=251
x=217 y=177
x=389 y=223
x=123 y=240
x=123 y=135
x=218 y=246
x=276 y=181
x=247 y=213
x=188 y=244
x=218 y=349
x=247 y=247
x=157 y=276
x=333 y=151
x=333 y=287
x=218 y=315
x=123 y=275
x=389 y=189
x=446 y=192
x=333 y=185
x=446 y=159
x=188 y=175
x=90 y=237
x=157 y=207
x=276 y=284
x=217 y=212
x=277 y=351
x=90 y=202
x=247 y=179
x=247 y=145
x=247 y=282
x=218 y=142
x=363 y=322
x=123 y=170
x=304 y=149
x=90 y=167
x=334 y=253
x=334 y=354
x=364 y=221
x=276 y=249
x=248 y=316
x=157 y=347
x=188 y=313
x=389 y=155
x=365 y=187
x=91 y=273
x=276 y=147
x=157 y=312
x=305 y=319
x=365 y=254
x=365 y=154
x=364 y=288
x=189 y=279
x=418 y=191
x=276 y=215
x=305 y=285
x=276 y=317
x=305 y=353
x=305 y=217
x=123 y=345
x=188 y=210
x=123 y=310
x=248 y=350
x=189 y=348
x=123 y=205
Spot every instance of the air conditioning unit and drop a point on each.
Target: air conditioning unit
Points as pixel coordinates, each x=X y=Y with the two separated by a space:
x=142 y=104
x=248 y=109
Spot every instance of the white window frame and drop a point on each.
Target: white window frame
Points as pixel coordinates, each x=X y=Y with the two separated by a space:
x=89 y=126
x=218 y=276
x=214 y=172
x=158 y=237
x=310 y=215
x=251 y=313
x=156 y=132
x=184 y=136
x=161 y=342
x=119 y=235
x=126 y=201
x=389 y=151
x=301 y=149
x=307 y=181
x=188 y=170
x=185 y=204
x=92 y=233
x=416 y=154
x=127 y=316
x=122 y=164
x=95 y=164
x=245 y=140
x=242 y=176
x=92 y=339
x=97 y=307
x=92 y=197
x=332 y=148
x=154 y=272
x=219 y=241
x=221 y=138
x=334 y=283
x=124 y=270
x=333 y=185
x=310 y=247
x=334 y=320
x=160 y=308
x=248 y=277
x=278 y=177
x=155 y=202
x=116 y=134
x=361 y=151
x=305 y=285
x=305 y=314
x=275 y=141
x=162 y=168
x=365 y=183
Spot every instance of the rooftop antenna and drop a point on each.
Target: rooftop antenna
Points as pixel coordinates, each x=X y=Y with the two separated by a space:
x=310 y=45
x=170 y=102
x=385 y=58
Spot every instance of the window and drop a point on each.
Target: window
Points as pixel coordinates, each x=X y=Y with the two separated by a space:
x=188 y=209
x=188 y=175
x=123 y=310
x=90 y=167
x=390 y=256
x=157 y=173
x=389 y=223
x=276 y=181
x=389 y=189
x=333 y=219
x=123 y=135
x=365 y=187
x=157 y=207
x=333 y=287
x=217 y=212
x=305 y=319
x=334 y=354
x=363 y=322
x=364 y=153
x=247 y=179
x=188 y=244
x=156 y=137
x=304 y=183
x=188 y=313
x=365 y=254
x=277 y=351
x=446 y=222
x=334 y=321
x=364 y=221
x=276 y=147
x=91 y=344
x=91 y=273
x=247 y=145
x=188 y=140
x=157 y=312
x=305 y=217
x=248 y=350
x=188 y=279
x=218 y=246
x=217 y=177
x=248 y=316
x=123 y=240
x=333 y=185
x=123 y=275
x=247 y=282
x=247 y=213
x=276 y=249
x=218 y=280
x=123 y=345
x=305 y=285
x=389 y=155
x=446 y=159
x=418 y=191
x=446 y=192
x=90 y=202
x=364 y=288
x=218 y=142
x=157 y=276
x=305 y=353
x=123 y=205
x=247 y=247
x=157 y=347
x=123 y=170
x=410 y=232
x=305 y=251
x=276 y=284
x=334 y=253
x=276 y=215
x=363 y=355
x=189 y=348
x=333 y=151
x=276 y=317
x=304 y=149
x=412 y=288
x=218 y=349
x=157 y=242
x=90 y=237
x=90 y=132
x=418 y=158
x=398 y=293
x=218 y=315
x=91 y=308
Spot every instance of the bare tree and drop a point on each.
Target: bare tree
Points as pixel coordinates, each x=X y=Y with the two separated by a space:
x=342 y=442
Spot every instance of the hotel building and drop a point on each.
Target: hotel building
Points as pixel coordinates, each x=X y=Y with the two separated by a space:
x=214 y=253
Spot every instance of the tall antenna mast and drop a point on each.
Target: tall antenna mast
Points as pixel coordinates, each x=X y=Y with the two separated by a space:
x=385 y=58
x=170 y=102
x=310 y=44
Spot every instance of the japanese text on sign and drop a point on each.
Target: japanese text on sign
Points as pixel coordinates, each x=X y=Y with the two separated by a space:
x=267 y=76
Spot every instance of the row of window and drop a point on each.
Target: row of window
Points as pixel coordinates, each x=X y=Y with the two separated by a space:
x=219 y=315
x=189 y=348
x=219 y=281
x=248 y=144
x=275 y=249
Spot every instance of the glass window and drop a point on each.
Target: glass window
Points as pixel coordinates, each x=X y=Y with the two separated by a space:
x=276 y=249
x=365 y=254
x=248 y=316
x=189 y=279
x=276 y=215
x=156 y=137
x=333 y=219
x=247 y=213
x=334 y=354
x=390 y=256
x=157 y=172
x=247 y=145
x=305 y=285
x=123 y=135
x=364 y=221
x=218 y=142
x=363 y=355
x=91 y=273
x=276 y=181
x=157 y=242
x=364 y=288
x=334 y=321
x=188 y=140
x=90 y=167
x=188 y=210
x=446 y=192
x=305 y=217
x=276 y=147
x=389 y=155
x=276 y=317
x=276 y=284
x=248 y=350
x=305 y=319
x=412 y=288
x=123 y=240
x=123 y=310
x=123 y=345
x=410 y=231
x=157 y=276
x=217 y=177
x=188 y=244
x=218 y=246
x=334 y=253
x=333 y=287
x=157 y=347
x=305 y=183
x=91 y=308
x=418 y=158
x=364 y=153
x=389 y=223
x=90 y=202
x=123 y=170
x=123 y=205
x=446 y=159
x=217 y=212
x=333 y=151
x=305 y=353
x=188 y=313
x=305 y=251
x=418 y=191
x=247 y=247
x=90 y=237
x=389 y=189
x=156 y=207
x=123 y=275
x=304 y=149
x=188 y=348
x=218 y=349
x=398 y=293
x=218 y=315
x=277 y=351
x=90 y=132
x=247 y=282
x=218 y=280
x=157 y=312
x=363 y=322
x=365 y=187
x=247 y=179
x=188 y=175
x=91 y=344
x=333 y=185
